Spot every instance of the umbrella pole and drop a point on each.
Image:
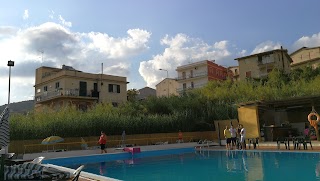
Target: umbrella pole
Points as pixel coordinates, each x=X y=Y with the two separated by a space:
x=2 y=166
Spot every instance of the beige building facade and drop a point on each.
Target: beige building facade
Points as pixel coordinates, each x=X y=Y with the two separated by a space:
x=306 y=57
x=167 y=87
x=55 y=87
x=259 y=65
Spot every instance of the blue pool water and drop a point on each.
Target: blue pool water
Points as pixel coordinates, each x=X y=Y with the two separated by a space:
x=209 y=165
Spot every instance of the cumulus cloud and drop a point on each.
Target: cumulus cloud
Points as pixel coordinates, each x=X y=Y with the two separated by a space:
x=60 y=45
x=25 y=14
x=7 y=31
x=120 y=69
x=306 y=41
x=120 y=47
x=266 y=46
x=181 y=49
x=64 y=22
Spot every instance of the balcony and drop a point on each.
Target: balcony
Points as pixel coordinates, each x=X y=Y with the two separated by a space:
x=195 y=75
x=179 y=90
x=60 y=93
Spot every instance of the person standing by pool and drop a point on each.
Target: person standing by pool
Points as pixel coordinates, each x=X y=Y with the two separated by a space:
x=233 y=133
x=227 y=135
x=180 y=137
x=103 y=141
x=123 y=139
x=243 y=137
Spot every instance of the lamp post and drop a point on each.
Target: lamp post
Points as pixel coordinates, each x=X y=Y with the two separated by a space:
x=167 y=80
x=4 y=130
x=10 y=64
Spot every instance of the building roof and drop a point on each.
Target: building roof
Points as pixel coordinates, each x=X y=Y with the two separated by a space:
x=165 y=79
x=303 y=48
x=267 y=53
x=304 y=102
x=203 y=62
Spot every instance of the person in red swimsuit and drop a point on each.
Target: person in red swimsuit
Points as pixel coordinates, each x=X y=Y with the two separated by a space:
x=180 y=137
x=103 y=141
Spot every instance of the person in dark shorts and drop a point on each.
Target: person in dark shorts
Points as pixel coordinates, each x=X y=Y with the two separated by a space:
x=103 y=141
x=227 y=135
x=233 y=133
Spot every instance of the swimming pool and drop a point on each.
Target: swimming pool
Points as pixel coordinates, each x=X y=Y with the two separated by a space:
x=209 y=165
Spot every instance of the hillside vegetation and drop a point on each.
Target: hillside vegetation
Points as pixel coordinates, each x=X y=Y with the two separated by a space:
x=195 y=110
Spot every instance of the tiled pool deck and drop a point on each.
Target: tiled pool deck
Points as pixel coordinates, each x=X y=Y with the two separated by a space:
x=213 y=146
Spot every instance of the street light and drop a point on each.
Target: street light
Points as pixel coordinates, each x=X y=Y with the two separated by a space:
x=167 y=79
x=10 y=64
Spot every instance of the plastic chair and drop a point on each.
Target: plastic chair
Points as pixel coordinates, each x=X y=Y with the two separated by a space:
x=283 y=141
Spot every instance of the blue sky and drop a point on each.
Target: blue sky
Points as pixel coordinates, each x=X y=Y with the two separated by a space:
x=137 y=38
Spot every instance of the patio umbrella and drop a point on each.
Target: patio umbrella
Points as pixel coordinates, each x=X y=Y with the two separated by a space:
x=52 y=140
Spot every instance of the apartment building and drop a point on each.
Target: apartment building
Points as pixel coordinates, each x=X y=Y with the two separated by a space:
x=55 y=87
x=167 y=87
x=198 y=74
x=260 y=64
x=306 y=57
x=233 y=73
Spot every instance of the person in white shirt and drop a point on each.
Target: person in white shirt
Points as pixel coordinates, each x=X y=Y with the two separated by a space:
x=233 y=136
x=243 y=137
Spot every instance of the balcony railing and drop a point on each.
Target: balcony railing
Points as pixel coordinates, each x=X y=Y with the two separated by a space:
x=190 y=88
x=64 y=93
x=195 y=75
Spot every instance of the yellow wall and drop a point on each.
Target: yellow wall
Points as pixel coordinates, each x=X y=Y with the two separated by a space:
x=248 y=117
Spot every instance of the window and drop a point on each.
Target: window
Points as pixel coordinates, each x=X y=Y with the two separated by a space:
x=45 y=88
x=191 y=73
x=183 y=75
x=248 y=74
x=184 y=86
x=192 y=85
x=114 y=104
x=57 y=85
x=114 y=88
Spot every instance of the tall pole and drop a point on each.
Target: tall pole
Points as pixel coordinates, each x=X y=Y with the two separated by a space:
x=167 y=80
x=4 y=155
x=10 y=64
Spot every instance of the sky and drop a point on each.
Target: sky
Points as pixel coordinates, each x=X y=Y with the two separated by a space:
x=137 y=38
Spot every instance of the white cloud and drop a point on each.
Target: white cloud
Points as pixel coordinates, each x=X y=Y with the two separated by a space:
x=266 y=46
x=51 y=14
x=180 y=50
x=7 y=30
x=64 y=22
x=306 y=41
x=120 y=69
x=60 y=45
x=25 y=14
x=112 y=47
